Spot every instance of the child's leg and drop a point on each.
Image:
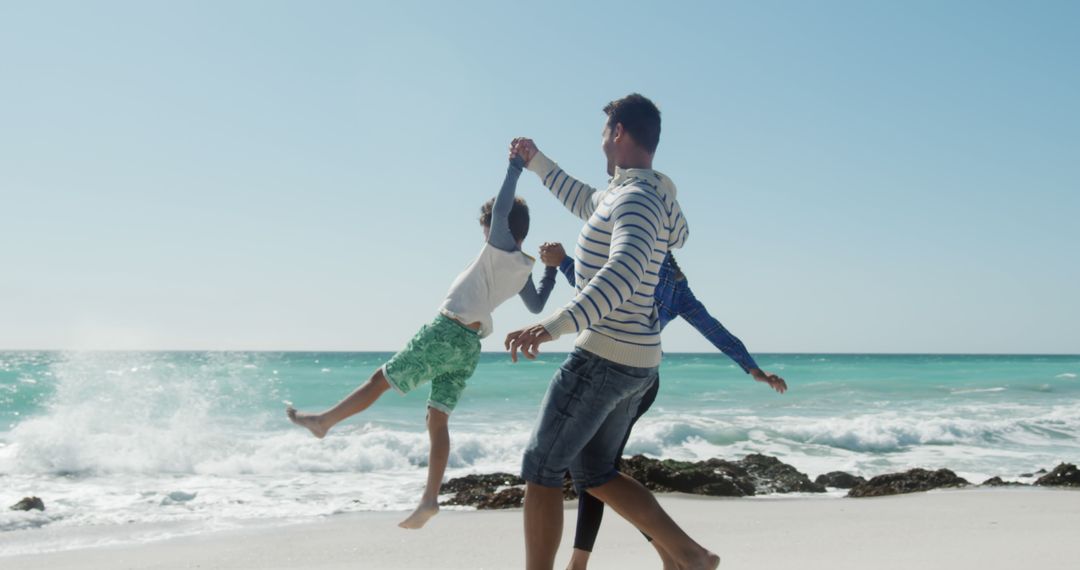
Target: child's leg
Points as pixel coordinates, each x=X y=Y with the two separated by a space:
x=439 y=433
x=354 y=403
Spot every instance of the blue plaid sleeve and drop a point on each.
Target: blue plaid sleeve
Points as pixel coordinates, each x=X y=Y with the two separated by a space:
x=694 y=312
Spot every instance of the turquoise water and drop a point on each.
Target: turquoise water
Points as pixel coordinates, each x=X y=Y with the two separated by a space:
x=200 y=440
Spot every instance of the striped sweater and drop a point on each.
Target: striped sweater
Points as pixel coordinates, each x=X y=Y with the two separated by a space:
x=628 y=231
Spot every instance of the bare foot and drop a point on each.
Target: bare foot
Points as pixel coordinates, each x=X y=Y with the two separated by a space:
x=420 y=516
x=310 y=421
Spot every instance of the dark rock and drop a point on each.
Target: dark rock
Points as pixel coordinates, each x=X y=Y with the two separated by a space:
x=998 y=482
x=484 y=491
x=512 y=498
x=912 y=481
x=29 y=503
x=490 y=481
x=839 y=480
x=712 y=477
x=1064 y=475
x=771 y=475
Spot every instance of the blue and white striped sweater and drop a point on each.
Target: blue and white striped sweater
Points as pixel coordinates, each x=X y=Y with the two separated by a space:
x=629 y=228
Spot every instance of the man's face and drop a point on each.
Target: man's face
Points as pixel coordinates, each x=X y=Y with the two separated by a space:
x=607 y=144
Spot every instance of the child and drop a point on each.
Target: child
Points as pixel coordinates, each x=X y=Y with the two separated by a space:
x=445 y=352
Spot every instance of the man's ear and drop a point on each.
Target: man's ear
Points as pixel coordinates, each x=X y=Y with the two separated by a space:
x=618 y=132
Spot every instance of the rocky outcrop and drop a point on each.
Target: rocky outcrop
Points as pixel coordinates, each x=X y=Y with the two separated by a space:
x=752 y=475
x=770 y=475
x=29 y=503
x=714 y=477
x=839 y=480
x=489 y=491
x=999 y=482
x=913 y=481
x=1064 y=475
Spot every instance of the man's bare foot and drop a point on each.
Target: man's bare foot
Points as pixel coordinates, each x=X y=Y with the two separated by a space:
x=310 y=421
x=420 y=516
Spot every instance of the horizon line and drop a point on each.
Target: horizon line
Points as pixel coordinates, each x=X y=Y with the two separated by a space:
x=712 y=352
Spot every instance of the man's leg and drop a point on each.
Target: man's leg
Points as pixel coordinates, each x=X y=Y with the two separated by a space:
x=543 y=525
x=354 y=403
x=595 y=468
x=569 y=415
x=636 y=504
x=439 y=434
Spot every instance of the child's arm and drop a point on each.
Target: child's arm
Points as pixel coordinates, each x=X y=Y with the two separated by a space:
x=499 y=235
x=553 y=255
x=536 y=299
x=568 y=270
x=695 y=313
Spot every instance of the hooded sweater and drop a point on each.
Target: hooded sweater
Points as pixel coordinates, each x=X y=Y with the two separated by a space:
x=629 y=228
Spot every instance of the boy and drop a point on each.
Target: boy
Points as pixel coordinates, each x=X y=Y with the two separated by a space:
x=445 y=352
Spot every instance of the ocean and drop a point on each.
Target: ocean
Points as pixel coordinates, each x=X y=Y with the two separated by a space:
x=140 y=446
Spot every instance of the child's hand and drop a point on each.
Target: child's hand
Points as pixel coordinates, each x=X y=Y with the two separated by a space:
x=523 y=147
x=552 y=254
x=775 y=382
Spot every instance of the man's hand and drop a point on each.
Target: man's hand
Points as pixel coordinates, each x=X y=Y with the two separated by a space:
x=528 y=340
x=552 y=254
x=523 y=147
x=775 y=382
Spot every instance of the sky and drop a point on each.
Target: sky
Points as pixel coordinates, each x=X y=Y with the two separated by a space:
x=857 y=176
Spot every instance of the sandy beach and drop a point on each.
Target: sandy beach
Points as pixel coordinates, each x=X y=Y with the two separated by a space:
x=976 y=528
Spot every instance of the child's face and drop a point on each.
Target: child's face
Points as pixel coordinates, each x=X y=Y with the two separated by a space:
x=487 y=232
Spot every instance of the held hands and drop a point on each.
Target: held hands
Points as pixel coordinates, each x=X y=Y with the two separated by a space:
x=775 y=382
x=523 y=147
x=528 y=340
x=552 y=253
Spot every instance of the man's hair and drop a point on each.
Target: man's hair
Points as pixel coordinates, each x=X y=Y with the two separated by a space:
x=639 y=116
x=519 y=217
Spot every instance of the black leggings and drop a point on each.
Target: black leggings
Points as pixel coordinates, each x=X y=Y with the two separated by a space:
x=590 y=510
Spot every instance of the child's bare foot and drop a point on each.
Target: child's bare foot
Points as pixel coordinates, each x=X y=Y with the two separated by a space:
x=420 y=516
x=310 y=421
x=713 y=562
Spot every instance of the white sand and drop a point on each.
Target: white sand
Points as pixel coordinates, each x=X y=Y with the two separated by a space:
x=978 y=529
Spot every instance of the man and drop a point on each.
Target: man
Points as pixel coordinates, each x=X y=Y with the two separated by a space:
x=592 y=399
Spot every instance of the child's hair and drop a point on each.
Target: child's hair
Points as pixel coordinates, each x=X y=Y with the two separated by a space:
x=678 y=270
x=519 y=217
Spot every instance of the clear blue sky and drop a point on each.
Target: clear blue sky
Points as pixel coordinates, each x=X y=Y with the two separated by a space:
x=858 y=176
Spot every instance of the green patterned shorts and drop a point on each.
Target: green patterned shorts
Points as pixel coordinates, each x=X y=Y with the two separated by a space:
x=444 y=352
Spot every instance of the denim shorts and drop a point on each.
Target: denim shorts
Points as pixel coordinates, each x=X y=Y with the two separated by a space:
x=583 y=420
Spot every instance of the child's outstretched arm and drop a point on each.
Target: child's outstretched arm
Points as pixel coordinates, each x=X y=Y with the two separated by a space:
x=695 y=313
x=535 y=299
x=499 y=235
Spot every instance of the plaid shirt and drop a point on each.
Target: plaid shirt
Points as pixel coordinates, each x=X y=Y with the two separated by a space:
x=675 y=299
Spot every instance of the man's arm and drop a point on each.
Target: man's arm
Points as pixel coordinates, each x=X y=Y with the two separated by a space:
x=621 y=274
x=499 y=235
x=578 y=197
x=536 y=299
